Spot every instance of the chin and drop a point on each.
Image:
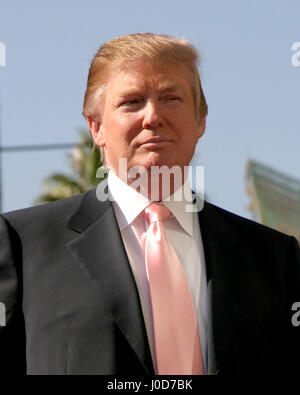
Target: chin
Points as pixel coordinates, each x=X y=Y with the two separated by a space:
x=157 y=159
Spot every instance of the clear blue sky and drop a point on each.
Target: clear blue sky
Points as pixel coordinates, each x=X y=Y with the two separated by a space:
x=252 y=89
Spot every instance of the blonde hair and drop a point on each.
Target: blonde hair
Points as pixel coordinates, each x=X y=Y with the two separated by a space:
x=157 y=48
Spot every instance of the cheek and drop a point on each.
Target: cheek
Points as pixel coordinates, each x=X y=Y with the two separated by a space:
x=186 y=133
x=124 y=128
x=182 y=122
x=187 y=143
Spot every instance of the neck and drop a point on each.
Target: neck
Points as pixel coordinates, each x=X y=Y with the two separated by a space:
x=156 y=183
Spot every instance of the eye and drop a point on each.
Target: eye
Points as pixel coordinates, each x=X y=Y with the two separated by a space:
x=172 y=100
x=172 y=97
x=130 y=102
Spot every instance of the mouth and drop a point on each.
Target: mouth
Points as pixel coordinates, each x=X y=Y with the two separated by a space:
x=156 y=142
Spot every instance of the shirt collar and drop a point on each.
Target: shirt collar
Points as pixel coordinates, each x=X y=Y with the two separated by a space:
x=177 y=206
x=128 y=203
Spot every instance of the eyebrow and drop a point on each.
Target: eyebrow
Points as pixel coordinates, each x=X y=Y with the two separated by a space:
x=170 y=89
x=167 y=86
x=164 y=87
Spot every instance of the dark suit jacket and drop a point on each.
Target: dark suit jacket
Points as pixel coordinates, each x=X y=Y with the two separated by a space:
x=73 y=305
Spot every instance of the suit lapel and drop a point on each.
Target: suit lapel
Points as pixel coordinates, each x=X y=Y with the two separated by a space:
x=100 y=253
x=226 y=280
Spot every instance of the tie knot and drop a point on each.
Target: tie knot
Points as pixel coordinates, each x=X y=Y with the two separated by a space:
x=156 y=212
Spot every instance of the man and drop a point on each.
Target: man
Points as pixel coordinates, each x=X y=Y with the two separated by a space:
x=136 y=283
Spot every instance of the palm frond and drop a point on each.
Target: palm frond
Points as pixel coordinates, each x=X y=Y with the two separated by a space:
x=84 y=161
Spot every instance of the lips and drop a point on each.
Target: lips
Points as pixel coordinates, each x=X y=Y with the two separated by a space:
x=156 y=140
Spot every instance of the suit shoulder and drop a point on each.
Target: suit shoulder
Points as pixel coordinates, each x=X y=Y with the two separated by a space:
x=59 y=209
x=246 y=227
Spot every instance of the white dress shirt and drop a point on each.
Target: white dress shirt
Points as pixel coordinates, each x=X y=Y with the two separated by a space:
x=183 y=232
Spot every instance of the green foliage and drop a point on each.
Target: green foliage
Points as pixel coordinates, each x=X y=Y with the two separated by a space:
x=84 y=161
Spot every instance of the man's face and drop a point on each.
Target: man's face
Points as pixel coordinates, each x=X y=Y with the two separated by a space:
x=148 y=116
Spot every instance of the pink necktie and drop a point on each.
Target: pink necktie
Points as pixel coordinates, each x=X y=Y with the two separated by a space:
x=176 y=337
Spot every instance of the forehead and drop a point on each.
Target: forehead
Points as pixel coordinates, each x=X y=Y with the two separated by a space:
x=143 y=75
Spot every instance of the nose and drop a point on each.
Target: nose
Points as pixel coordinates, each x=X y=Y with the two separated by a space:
x=152 y=117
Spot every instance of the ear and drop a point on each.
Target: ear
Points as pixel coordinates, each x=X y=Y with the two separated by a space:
x=96 y=131
x=201 y=127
